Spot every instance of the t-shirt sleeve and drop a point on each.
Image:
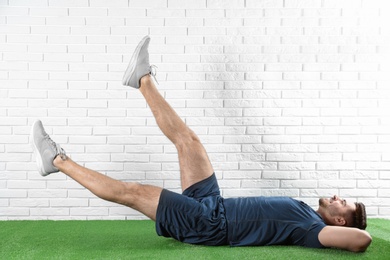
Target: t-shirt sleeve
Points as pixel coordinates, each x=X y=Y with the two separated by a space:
x=312 y=235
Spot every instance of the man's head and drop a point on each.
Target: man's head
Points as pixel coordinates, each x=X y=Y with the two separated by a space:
x=338 y=212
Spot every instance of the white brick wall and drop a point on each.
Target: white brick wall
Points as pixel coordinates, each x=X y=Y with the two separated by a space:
x=290 y=97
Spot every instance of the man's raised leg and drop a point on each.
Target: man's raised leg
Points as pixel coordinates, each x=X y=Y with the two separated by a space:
x=194 y=162
x=51 y=158
x=143 y=198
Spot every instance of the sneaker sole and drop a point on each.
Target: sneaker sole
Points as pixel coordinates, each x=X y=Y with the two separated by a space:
x=38 y=157
x=131 y=68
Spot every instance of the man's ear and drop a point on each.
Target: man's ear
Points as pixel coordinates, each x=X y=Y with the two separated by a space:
x=339 y=221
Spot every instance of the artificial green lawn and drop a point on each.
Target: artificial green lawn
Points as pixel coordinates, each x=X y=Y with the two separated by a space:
x=138 y=240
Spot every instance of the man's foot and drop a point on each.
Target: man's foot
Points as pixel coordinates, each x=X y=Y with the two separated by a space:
x=139 y=65
x=45 y=149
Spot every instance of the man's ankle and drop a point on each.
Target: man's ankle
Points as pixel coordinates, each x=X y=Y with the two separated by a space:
x=145 y=80
x=58 y=160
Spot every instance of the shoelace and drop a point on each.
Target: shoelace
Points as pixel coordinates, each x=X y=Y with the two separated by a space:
x=153 y=72
x=57 y=147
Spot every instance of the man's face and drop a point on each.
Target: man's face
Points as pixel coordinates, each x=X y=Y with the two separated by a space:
x=336 y=206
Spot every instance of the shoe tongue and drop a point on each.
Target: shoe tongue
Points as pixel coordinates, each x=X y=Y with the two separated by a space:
x=60 y=152
x=153 y=72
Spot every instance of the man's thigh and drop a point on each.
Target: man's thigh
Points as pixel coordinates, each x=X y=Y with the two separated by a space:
x=195 y=164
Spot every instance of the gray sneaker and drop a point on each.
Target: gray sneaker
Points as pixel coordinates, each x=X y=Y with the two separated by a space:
x=45 y=149
x=139 y=65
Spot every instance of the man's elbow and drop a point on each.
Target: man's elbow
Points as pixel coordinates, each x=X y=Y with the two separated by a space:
x=364 y=242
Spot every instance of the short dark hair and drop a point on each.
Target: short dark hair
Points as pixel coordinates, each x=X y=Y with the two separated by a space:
x=359 y=216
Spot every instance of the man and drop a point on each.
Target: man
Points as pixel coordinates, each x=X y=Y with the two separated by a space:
x=200 y=215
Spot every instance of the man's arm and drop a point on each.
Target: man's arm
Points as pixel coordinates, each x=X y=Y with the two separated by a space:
x=352 y=239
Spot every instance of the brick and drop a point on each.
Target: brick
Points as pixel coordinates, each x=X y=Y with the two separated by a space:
x=122 y=211
x=307 y=94
x=46 y=48
x=89 y=211
x=77 y=193
x=260 y=184
x=44 y=193
x=4 y=202
x=69 y=202
x=318 y=192
x=336 y=166
x=14 y=48
x=65 y=20
x=322 y=139
x=290 y=157
x=384 y=193
x=187 y=4
x=264 y=4
x=93 y=157
x=320 y=103
x=31 y=75
x=136 y=158
x=385 y=211
x=280 y=175
x=300 y=112
x=245 y=139
x=258 y=165
x=384 y=175
x=294 y=166
x=47 y=11
x=238 y=157
x=261 y=148
x=373 y=184
x=45 y=66
x=337 y=184
x=157 y=4
x=323 y=157
x=280 y=192
x=282 y=121
x=372 y=165
x=6 y=139
x=105 y=3
x=358 y=175
x=303 y=130
x=14 y=211
x=68 y=3
x=105 y=166
x=320 y=121
x=56 y=57
x=87 y=139
x=361 y=193
x=299 y=148
x=25 y=20
x=26 y=3
x=357 y=139
x=104 y=148
x=298 y=183
x=19 y=184
x=15 y=29
x=319 y=175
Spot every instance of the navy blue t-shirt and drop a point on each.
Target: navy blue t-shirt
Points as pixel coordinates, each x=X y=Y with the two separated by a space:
x=272 y=221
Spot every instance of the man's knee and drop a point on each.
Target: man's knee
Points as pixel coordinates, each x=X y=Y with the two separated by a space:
x=186 y=139
x=141 y=197
x=127 y=195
